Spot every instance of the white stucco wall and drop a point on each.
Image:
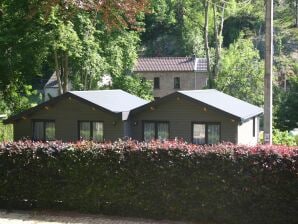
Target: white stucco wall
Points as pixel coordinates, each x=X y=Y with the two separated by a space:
x=245 y=132
x=50 y=91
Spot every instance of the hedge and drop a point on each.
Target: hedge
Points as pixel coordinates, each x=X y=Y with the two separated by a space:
x=173 y=180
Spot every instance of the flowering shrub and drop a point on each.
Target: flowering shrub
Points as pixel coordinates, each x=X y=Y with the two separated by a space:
x=172 y=179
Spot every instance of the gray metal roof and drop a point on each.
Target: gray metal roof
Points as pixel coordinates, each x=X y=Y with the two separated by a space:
x=112 y=100
x=224 y=102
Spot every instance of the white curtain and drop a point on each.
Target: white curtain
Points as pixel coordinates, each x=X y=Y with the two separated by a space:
x=213 y=133
x=50 y=131
x=149 y=131
x=97 y=131
x=38 y=130
x=162 y=131
x=85 y=130
x=199 y=136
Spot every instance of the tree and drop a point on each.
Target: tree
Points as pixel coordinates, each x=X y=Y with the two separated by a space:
x=286 y=115
x=66 y=43
x=293 y=6
x=216 y=12
x=22 y=52
x=173 y=28
x=121 y=55
x=63 y=35
x=241 y=72
x=134 y=85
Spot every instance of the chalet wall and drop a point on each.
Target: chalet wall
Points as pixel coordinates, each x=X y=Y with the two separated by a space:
x=245 y=132
x=188 y=81
x=66 y=114
x=180 y=113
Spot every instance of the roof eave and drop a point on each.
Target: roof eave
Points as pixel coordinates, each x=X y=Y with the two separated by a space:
x=163 y=71
x=244 y=119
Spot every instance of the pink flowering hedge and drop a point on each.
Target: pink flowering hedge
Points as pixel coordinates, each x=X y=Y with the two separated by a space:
x=171 y=180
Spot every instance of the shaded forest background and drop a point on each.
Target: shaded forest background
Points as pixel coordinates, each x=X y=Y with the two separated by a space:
x=84 y=40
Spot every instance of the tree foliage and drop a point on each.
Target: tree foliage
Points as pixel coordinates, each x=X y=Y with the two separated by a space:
x=79 y=40
x=241 y=72
x=22 y=53
x=286 y=114
x=173 y=28
x=84 y=40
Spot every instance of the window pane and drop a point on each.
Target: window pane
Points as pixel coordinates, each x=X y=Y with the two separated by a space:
x=149 y=131
x=162 y=131
x=38 y=130
x=50 y=131
x=97 y=131
x=85 y=130
x=199 y=134
x=177 y=83
x=213 y=133
x=254 y=127
x=156 y=83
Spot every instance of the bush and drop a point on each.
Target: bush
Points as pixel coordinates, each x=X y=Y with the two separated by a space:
x=173 y=180
x=280 y=138
x=283 y=138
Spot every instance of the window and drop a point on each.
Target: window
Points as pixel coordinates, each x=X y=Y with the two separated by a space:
x=199 y=133
x=91 y=130
x=176 y=83
x=156 y=83
x=43 y=130
x=206 y=133
x=155 y=130
x=254 y=127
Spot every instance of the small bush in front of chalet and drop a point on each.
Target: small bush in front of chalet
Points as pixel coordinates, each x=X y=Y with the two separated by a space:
x=173 y=180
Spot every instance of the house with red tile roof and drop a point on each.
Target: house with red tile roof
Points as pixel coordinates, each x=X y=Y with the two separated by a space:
x=171 y=74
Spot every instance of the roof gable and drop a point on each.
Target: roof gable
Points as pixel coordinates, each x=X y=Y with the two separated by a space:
x=212 y=98
x=112 y=101
x=224 y=102
x=52 y=82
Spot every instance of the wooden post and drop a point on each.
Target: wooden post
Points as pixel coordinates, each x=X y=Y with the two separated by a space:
x=268 y=73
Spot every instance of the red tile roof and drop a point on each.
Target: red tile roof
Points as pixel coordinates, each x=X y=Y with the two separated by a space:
x=162 y=64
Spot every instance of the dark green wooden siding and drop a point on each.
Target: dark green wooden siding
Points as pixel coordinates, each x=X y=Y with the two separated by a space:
x=66 y=114
x=180 y=113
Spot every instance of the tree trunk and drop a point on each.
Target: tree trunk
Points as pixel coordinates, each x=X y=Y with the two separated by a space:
x=86 y=80
x=221 y=27
x=90 y=81
x=58 y=73
x=218 y=36
x=216 y=42
x=206 y=40
x=66 y=71
x=297 y=13
x=62 y=70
